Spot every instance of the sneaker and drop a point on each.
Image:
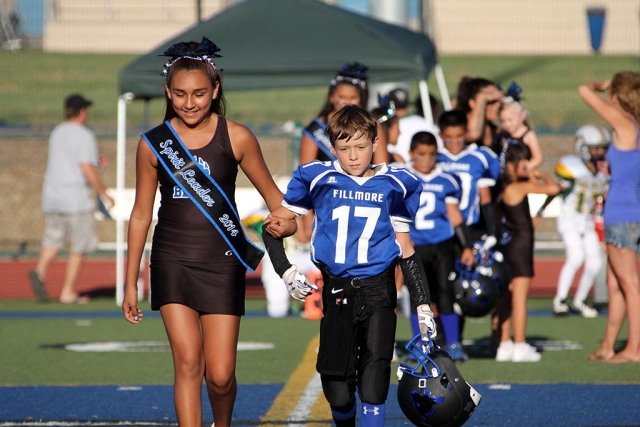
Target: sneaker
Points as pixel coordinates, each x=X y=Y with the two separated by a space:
x=584 y=310
x=505 y=351
x=37 y=286
x=523 y=352
x=560 y=306
x=456 y=352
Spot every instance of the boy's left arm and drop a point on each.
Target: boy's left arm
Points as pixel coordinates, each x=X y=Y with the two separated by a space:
x=416 y=281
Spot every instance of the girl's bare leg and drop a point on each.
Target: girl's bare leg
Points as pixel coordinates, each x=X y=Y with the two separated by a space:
x=183 y=329
x=220 y=337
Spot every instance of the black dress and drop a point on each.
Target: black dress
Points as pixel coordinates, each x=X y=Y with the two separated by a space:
x=516 y=238
x=191 y=264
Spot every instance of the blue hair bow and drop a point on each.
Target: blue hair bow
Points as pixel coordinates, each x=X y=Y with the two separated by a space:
x=193 y=49
x=514 y=91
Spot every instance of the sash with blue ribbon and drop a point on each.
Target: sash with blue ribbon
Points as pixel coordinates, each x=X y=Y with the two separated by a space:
x=316 y=132
x=203 y=191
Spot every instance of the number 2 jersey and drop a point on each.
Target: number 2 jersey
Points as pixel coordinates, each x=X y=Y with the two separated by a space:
x=432 y=224
x=355 y=217
x=476 y=167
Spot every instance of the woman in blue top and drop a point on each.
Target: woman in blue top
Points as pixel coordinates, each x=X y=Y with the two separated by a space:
x=621 y=109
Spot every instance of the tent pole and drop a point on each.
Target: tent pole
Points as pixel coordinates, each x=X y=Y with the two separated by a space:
x=121 y=144
x=426 y=104
x=442 y=87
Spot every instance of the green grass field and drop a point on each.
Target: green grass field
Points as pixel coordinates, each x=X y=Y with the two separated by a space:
x=32 y=336
x=33 y=85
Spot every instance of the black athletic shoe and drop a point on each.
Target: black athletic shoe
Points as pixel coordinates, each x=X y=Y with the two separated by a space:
x=37 y=286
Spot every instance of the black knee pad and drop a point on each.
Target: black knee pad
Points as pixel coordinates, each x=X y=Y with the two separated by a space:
x=374 y=383
x=339 y=391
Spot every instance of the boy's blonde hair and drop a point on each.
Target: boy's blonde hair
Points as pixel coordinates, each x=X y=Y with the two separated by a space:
x=626 y=86
x=352 y=121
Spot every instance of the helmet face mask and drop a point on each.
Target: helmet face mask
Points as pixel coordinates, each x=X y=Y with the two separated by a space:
x=589 y=136
x=433 y=392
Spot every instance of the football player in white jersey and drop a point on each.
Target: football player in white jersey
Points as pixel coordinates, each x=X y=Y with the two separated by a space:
x=584 y=177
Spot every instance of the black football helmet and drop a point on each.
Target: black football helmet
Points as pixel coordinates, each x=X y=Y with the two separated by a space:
x=474 y=293
x=493 y=265
x=433 y=393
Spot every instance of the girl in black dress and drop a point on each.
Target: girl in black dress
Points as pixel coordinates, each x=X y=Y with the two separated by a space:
x=515 y=239
x=197 y=271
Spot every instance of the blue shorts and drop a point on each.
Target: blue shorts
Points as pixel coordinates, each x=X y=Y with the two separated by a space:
x=623 y=235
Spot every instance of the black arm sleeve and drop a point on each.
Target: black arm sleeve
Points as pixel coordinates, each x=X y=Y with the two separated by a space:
x=275 y=249
x=463 y=233
x=489 y=216
x=546 y=203
x=415 y=279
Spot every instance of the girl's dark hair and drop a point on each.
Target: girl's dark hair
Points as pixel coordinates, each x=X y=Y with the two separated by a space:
x=468 y=88
x=380 y=112
x=350 y=70
x=514 y=154
x=218 y=105
x=423 y=138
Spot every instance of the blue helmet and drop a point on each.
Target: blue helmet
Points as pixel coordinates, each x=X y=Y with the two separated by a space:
x=433 y=393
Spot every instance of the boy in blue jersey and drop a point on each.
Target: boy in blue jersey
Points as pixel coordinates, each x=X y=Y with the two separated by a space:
x=361 y=231
x=437 y=224
x=477 y=168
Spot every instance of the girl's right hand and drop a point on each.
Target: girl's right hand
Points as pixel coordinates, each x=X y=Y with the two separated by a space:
x=130 y=306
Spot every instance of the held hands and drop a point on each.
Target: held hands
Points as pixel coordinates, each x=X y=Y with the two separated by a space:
x=279 y=227
x=426 y=322
x=298 y=285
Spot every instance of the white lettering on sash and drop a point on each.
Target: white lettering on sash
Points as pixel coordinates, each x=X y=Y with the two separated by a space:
x=228 y=224
x=188 y=176
x=171 y=154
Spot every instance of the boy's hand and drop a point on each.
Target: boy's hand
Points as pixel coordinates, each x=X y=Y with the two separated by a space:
x=426 y=323
x=467 y=257
x=298 y=285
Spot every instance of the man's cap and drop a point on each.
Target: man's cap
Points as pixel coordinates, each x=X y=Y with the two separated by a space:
x=76 y=102
x=399 y=97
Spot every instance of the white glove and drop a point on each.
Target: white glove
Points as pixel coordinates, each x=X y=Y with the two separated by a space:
x=489 y=242
x=297 y=283
x=426 y=323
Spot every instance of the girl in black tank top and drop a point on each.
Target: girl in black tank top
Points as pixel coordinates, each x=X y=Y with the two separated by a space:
x=197 y=283
x=516 y=243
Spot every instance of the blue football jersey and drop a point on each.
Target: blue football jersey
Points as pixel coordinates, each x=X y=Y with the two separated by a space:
x=353 y=231
x=432 y=224
x=494 y=166
x=473 y=169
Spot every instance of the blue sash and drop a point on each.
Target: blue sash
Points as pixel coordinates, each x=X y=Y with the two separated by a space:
x=203 y=191
x=316 y=132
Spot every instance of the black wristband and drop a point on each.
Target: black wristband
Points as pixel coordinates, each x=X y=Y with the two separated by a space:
x=275 y=249
x=463 y=233
x=489 y=216
x=415 y=279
